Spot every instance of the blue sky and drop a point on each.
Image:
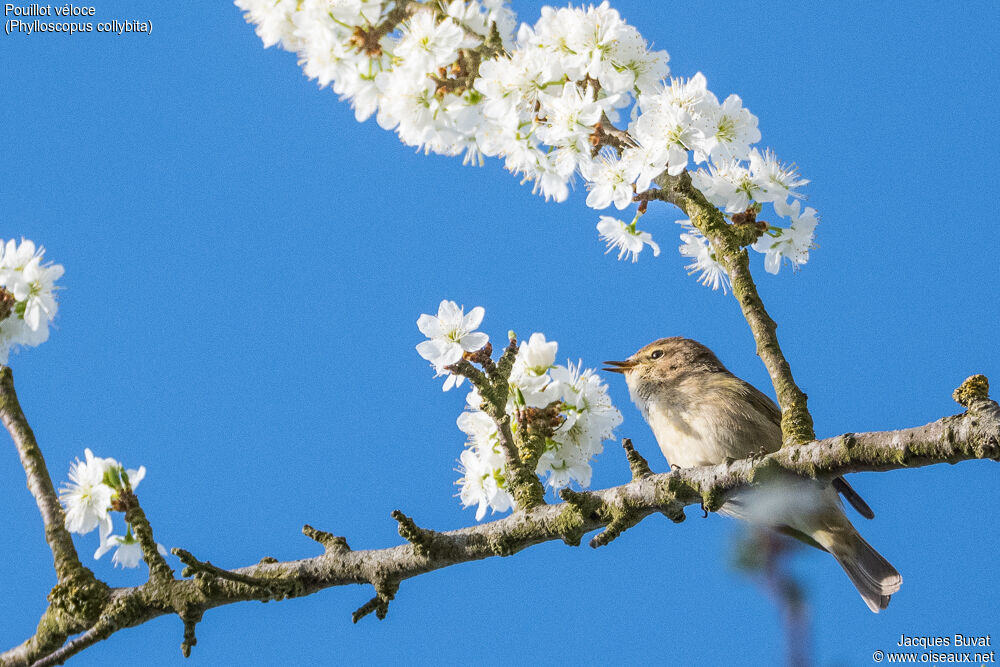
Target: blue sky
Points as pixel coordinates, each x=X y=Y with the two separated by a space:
x=245 y=265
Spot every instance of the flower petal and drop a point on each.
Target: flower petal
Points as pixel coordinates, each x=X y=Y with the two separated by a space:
x=474 y=319
x=474 y=341
x=429 y=325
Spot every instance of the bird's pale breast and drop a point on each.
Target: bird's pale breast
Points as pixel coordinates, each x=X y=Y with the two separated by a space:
x=686 y=437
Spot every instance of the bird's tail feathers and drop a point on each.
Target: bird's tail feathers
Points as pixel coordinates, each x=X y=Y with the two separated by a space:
x=874 y=577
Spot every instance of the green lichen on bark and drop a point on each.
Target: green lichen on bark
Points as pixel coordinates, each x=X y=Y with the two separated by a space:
x=82 y=597
x=515 y=535
x=580 y=508
x=638 y=465
x=190 y=622
x=527 y=489
x=425 y=542
x=534 y=430
x=975 y=387
x=329 y=541
x=712 y=499
x=672 y=494
x=385 y=592
x=618 y=518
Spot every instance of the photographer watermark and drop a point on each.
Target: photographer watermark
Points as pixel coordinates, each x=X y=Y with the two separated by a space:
x=980 y=652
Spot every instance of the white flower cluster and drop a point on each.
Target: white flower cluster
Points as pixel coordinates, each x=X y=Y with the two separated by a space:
x=543 y=101
x=31 y=284
x=87 y=499
x=535 y=382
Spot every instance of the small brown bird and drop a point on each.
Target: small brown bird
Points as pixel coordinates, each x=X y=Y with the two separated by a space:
x=701 y=414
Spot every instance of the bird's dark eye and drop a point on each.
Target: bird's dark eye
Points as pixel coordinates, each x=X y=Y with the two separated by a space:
x=657 y=354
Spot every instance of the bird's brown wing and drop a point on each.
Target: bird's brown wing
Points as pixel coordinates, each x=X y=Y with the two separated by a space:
x=763 y=406
x=760 y=401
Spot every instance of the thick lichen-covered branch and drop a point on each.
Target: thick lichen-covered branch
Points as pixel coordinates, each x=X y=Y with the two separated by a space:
x=728 y=245
x=972 y=435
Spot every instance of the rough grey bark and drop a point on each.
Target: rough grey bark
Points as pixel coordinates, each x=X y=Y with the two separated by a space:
x=974 y=434
x=39 y=483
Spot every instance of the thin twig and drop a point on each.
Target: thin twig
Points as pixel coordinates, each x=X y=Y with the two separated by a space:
x=97 y=633
x=158 y=568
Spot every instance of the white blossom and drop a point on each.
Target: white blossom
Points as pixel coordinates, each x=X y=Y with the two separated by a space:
x=775 y=182
x=588 y=417
x=128 y=552
x=731 y=131
x=427 y=44
x=636 y=66
x=535 y=357
x=536 y=104
x=626 y=238
x=692 y=95
x=570 y=116
x=86 y=498
x=673 y=128
x=273 y=19
x=649 y=161
x=727 y=184
x=792 y=243
x=31 y=283
x=696 y=247
x=540 y=103
x=611 y=181
x=451 y=334
x=481 y=484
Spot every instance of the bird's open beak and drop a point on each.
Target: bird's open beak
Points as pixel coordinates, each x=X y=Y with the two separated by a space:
x=618 y=366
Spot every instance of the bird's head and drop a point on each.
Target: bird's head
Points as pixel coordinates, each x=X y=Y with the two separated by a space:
x=666 y=359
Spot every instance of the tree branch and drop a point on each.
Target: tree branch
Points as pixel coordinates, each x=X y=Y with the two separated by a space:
x=158 y=568
x=494 y=388
x=796 y=422
x=67 y=563
x=974 y=434
x=95 y=634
